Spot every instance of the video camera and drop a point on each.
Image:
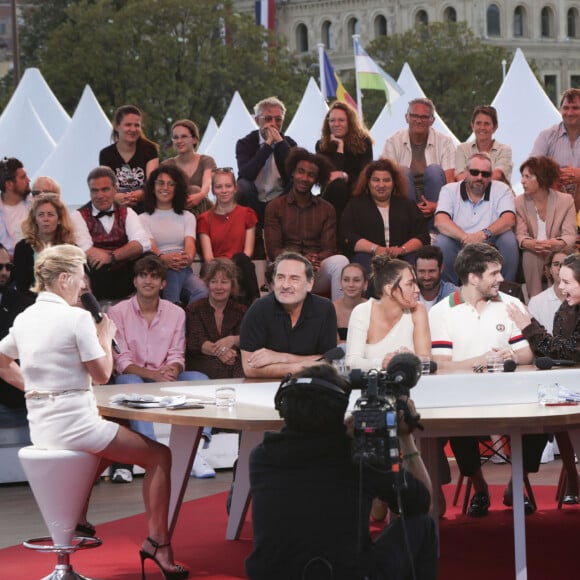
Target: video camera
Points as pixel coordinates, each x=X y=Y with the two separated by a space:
x=375 y=441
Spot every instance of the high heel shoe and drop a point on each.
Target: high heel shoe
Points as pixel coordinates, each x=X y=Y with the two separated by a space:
x=177 y=574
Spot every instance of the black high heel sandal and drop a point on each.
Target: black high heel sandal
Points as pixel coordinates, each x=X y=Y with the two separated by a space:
x=178 y=574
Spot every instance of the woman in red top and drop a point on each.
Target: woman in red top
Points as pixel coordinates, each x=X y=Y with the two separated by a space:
x=228 y=230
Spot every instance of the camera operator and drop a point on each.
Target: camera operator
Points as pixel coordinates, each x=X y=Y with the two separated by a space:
x=311 y=503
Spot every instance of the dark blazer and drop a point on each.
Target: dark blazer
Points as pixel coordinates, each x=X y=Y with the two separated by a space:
x=361 y=219
x=251 y=156
x=23 y=275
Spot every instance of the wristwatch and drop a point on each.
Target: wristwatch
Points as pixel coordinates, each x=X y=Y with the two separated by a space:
x=487 y=233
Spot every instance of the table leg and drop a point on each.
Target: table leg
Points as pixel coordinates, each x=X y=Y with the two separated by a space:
x=241 y=484
x=183 y=442
x=518 y=505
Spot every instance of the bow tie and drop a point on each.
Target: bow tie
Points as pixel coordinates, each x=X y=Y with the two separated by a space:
x=105 y=213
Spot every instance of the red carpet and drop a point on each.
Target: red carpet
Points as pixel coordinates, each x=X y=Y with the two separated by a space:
x=470 y=548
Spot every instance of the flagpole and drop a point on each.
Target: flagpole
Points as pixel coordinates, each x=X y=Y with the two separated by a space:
x=355 y=39
x=323 y=89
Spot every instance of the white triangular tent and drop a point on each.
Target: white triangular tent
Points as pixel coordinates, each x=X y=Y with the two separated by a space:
x=523 y=110
x=392 y=117
x=306 y=126
x=24 y=136
x=236 y=123
x=78 y=150
x=208 y=135
x=34 y=88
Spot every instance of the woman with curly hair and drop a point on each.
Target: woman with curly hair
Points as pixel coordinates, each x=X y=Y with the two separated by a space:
x=380 y=219
x=347 y=144
x=172 y=232
x=48 y=224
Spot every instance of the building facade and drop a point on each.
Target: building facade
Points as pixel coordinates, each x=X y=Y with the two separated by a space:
x=547 y=31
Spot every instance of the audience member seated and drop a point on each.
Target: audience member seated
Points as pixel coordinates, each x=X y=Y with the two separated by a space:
x=151 y=337
x=379 y=219
x=477 y=209
x=171 y=230
x=484 y=124
x=213 y=324
x=560 y=142
x=311 y=504
x=14 y=201
x=305 y=223
x=348 y=146
x=290 y=328
x=543 y=308
x=428 y=270
x=45 y=184
x=394 y=321
x=545 y=219
x=111 y=235
x=426 y=155
x=467 y=327
x=48 y=224
x=132 y=156
x=261 y=157
x=228 y=230
x=12 y=404
x=196 y=167
x=353 y=283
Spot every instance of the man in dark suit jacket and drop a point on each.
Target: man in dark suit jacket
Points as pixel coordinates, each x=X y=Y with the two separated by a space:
x=261 y=157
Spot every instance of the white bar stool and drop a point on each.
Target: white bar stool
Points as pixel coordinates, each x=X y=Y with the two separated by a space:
x=61 y=481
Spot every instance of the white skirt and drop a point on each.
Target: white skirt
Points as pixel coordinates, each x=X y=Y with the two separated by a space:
x=69 y=421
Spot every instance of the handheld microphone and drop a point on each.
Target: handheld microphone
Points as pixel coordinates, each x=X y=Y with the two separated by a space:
x=91 y=304
x=405 y=368
x=547 y=362
x=335 y=353
x=509 y=365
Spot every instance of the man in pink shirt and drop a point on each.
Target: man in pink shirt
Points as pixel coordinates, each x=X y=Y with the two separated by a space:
x=151 y=337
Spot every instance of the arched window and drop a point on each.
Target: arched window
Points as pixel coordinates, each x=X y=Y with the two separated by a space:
x=450 y=15
x=572 y=24
x=520 y=21
x=421 y=18
x=353 y=28
x=547 y=18
x=493 y=27
x=380 y=26
x=302 y=38
x=328 y=35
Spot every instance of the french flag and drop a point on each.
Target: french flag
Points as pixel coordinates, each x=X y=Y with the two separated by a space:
x=265 y=13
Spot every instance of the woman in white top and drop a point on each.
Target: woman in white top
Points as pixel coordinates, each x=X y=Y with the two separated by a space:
x=545 y=219
x=395 y=321
x=172 y=233
x=61 y=354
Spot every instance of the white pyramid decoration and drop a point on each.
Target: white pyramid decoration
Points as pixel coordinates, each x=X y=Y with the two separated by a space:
x=523 y=110
x=33 y=87
x=209 y=133
x=78 y=150
x=24 y=136
x=306 y=126
x=392 y=117
x=236 y=123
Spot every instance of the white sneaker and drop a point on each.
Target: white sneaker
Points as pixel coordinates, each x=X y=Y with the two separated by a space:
x=201 y=468
x=122 y=476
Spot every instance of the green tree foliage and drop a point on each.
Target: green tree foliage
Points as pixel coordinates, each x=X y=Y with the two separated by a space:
x=171 y=58
x=454 y=68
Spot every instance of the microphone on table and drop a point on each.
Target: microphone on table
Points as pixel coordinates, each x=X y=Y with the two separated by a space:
x=91 y=304
x=547 y=362
x=509 y=365
x=432 y=367
x=335 y=353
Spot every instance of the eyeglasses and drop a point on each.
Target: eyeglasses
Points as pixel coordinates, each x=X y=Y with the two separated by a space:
x=476 y=172
x=424 y=118
x=270 y=118
x=178 y=137
x=162 y=183
x=223 y=170
x=8 y=266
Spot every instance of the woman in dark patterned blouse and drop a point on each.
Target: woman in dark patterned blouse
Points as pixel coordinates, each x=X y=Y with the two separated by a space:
x=213 y=324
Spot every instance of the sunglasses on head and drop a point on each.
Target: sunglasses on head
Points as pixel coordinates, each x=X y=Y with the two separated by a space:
x=476 y=172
